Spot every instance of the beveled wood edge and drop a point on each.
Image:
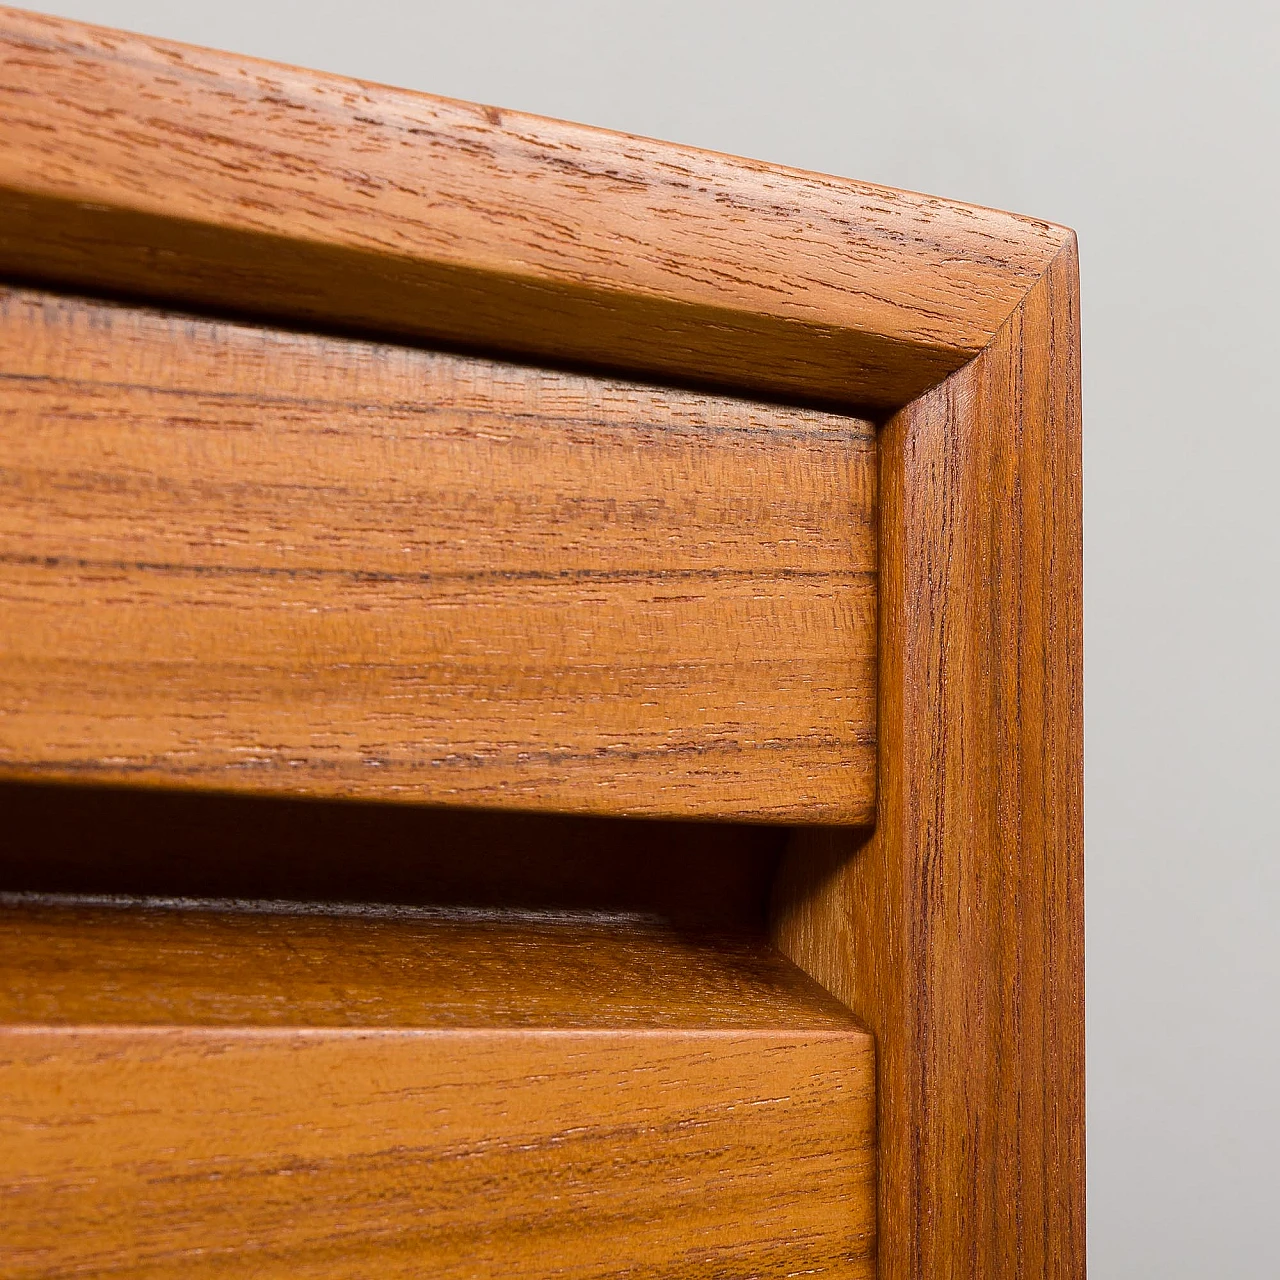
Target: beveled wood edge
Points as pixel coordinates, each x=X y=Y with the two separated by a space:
x=184 y=175
x=955 y=927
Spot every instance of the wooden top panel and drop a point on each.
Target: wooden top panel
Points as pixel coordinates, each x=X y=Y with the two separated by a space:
x=255 y=560
x=220 y=964
x=174 y=172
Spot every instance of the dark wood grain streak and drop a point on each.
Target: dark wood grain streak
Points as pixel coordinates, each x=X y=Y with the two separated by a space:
x=201 y=1093
x=251 y=559
x=176 y=173
x=956 y=929
x=663 y=1155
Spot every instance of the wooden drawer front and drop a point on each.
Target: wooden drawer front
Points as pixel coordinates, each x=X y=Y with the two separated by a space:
x=467 y=1154
x=412 y=1097
x=242 y=558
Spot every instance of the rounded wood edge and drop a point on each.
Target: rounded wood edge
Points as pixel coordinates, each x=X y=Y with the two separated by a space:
x=248 y=182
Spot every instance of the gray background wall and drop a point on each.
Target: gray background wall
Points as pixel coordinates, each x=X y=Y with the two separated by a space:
x=1154 y=130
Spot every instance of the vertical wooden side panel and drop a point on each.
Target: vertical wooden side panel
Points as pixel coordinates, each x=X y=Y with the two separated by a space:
x=956 y=929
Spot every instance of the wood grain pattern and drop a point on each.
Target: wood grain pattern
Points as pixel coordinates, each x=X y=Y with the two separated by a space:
x=146 y=961
x=250 y=559
x=168 y=173
x=745 y=1146
x=956 y=929
x=171 y=172
x=454 y=1154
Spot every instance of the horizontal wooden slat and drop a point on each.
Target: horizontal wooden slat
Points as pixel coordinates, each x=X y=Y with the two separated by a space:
x=180 y=173
x=611 y=1137
x=250 y=559
x=156 y=1153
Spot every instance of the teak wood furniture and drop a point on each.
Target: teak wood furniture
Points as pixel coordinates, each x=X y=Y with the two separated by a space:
x=540 y=696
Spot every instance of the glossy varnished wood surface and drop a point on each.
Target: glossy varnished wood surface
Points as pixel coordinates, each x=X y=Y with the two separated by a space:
x=251 y=559
x=584 y=1118
x=172 y=172
x=956 y=929
x=462 y=1154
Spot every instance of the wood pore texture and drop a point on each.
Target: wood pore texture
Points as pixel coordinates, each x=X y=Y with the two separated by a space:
x=251 y=559
x=956 y=929
x=70 y=960
x=196 y=1092
x=151 y=167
